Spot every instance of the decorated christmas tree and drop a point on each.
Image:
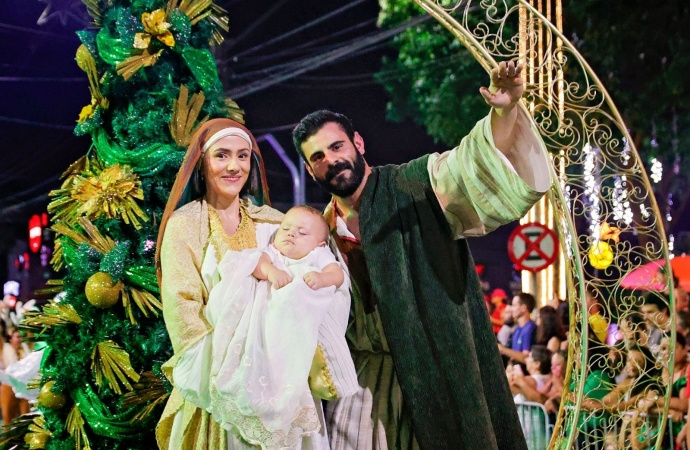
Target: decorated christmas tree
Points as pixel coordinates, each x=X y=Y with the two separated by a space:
x=153 y=81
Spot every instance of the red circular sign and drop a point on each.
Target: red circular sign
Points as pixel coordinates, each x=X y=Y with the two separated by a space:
x=533 y=247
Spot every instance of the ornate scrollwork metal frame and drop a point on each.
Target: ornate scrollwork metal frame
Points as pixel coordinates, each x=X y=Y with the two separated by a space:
x=599 y=181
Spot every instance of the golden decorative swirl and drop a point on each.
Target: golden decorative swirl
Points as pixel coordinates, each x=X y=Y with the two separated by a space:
x=599 y=181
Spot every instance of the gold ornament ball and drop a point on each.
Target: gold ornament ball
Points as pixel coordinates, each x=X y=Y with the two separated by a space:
x=102 y=291
x=49 y=399
x=600 y=255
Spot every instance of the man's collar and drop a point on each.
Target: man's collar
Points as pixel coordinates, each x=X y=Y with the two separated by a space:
x=336 y=223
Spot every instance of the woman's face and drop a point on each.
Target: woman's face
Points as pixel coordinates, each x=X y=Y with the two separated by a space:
x=16 y=339
x=635 y=364
x=226 y=166
x=664 y=347
x=557 y=365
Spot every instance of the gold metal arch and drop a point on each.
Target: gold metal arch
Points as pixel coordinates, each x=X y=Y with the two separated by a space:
x=599 y=184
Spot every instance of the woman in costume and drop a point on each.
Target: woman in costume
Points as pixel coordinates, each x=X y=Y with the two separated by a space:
x=12 y=352
x=212 y=210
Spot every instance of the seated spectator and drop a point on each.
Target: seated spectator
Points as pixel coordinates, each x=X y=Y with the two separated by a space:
x=683 y=322
x=632 y=330
x=535 y=387
x=678 y=403
x=598 y=383
x=498 y=300
x=12 y=351
x=506 y=332
x=680 y=296
x=550 y=331
x=595 y=308
x=637 y=394
x=524 y=333
x=559 y=361
x=654 y=311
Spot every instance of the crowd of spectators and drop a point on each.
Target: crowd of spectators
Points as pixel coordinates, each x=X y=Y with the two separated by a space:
x=626 y=371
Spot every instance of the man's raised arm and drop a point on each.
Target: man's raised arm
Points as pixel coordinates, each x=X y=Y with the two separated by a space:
x=499 y=170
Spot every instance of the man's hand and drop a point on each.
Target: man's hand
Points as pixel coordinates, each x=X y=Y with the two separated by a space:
x=315 y=280
x=506 y=88
x=278 y=278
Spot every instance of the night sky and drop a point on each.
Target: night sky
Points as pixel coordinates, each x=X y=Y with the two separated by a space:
x=42 y=91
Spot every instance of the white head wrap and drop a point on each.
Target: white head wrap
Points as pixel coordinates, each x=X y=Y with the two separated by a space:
x=225 y=132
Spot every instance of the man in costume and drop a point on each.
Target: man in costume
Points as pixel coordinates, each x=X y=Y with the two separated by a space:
x=430 y=373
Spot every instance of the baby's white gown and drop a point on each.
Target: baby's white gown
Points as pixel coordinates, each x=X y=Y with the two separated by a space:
x=252 y=372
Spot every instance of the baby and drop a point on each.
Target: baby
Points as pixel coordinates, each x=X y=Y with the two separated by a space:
x=279 y=315
x=300 y=249
x=301 y=241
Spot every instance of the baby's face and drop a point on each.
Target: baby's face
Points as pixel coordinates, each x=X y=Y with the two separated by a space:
x=300 y=232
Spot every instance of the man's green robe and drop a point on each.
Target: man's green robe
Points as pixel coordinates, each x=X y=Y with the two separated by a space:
x=434 y=316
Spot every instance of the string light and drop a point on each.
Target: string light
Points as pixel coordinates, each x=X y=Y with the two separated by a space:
x=671 y=242
x=592 y=190
x=625 y=154
x=644 y=211
x=657 y=170
x=621 y=205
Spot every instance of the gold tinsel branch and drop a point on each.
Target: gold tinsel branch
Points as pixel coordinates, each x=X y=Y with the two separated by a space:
x=54 y=287
x=75 y=427
x=129 y=66
x=234 y=110
x=146 y=302
x=185 y=115
x=56 y=260
x=38 y=435
x=64 y=203
x=110 y=192
x=111 y=363
x=94 y=11
x=34 y=383
x=197 y=10
x=53 y=314
x=87 y=63
x=149 y=391
x=13 y=435
x=94 y=239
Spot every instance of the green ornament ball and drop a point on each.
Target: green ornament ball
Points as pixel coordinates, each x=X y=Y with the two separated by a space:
x=102 y=291
x=49 y=399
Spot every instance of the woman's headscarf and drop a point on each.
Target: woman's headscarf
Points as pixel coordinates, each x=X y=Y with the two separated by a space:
x=189 y=186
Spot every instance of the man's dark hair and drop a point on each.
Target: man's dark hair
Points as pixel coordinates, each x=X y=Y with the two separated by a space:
x=312 y=123
x=656 y=298
x=527 y=300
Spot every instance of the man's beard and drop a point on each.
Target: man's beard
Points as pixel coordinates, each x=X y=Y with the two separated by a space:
x=344 y=186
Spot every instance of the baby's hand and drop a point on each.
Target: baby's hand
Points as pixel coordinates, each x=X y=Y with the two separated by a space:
x=279 y=278
x=315 y=280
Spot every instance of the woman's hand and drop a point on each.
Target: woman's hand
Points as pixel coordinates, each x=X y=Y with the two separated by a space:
x=278 y=278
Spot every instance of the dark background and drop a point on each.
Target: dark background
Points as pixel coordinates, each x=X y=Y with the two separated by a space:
x=42 y=91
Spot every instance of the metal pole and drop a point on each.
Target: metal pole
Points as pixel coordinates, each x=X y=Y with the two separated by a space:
x=298 y=197
x=303 y=182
